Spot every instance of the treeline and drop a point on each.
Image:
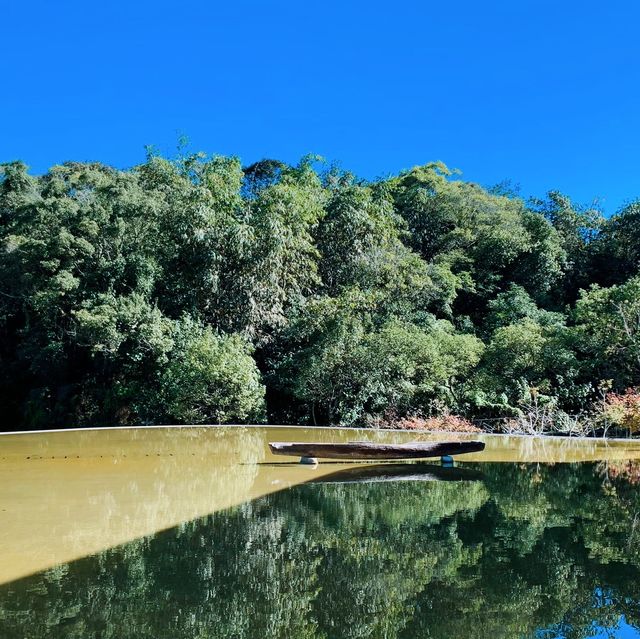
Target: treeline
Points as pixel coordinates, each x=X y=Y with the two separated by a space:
x=194 y=290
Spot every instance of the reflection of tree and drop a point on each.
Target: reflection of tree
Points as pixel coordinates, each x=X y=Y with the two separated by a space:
x=628 y=470
x=529 y=548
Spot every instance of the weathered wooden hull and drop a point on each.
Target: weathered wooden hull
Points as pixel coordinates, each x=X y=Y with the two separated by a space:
x=368 y=450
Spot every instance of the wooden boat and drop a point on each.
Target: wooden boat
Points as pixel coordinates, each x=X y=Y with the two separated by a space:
x=368 y=450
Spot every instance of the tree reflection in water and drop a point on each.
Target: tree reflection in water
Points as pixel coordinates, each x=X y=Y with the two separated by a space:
x=526 y=551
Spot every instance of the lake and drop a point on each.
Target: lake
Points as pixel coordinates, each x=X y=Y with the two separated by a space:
x=201 y=532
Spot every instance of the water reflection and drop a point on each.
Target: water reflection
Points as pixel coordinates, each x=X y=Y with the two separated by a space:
x=400 y=472
x=68 y=494
x=526 y=551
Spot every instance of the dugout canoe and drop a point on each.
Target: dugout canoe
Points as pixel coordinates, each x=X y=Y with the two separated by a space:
x=368 y=450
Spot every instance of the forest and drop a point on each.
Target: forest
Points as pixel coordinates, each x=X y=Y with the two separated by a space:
x=193 y=290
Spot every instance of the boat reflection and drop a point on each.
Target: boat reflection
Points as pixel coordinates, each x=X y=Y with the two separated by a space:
x=399 y=472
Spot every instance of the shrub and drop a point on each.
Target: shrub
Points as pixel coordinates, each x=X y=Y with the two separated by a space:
x=621 y=411
x=212 y=379
x=448 y=423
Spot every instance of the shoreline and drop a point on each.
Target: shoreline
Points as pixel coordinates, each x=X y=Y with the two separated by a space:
x=325 y=428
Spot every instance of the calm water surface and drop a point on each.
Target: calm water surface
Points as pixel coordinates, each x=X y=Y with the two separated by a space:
x=196 y=533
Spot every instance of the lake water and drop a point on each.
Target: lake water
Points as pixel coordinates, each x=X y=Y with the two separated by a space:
x=202 y=533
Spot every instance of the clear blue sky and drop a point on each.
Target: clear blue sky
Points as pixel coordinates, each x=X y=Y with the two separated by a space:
x=544 y=93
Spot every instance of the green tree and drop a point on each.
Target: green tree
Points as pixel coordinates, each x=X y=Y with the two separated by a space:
x=527 y=360
x=616 y=252
x=578 y=228
x=487 y=239
x=210 y=379
x=608 y=330
x=346 y=369
x=279 y=269
x=515 y=304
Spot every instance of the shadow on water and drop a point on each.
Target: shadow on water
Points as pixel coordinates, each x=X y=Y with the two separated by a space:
x=488 y=551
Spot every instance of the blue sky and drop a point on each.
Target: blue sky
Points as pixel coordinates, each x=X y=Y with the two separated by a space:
x=546 y=94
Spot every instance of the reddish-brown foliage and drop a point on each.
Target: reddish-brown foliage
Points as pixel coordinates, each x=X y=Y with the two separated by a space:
x=622 y=410
x=451 y=423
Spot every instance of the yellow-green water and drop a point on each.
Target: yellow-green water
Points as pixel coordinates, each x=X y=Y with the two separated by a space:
x=77 y=507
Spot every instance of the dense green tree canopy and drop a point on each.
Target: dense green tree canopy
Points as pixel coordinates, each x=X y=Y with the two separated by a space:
x=195 y=290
